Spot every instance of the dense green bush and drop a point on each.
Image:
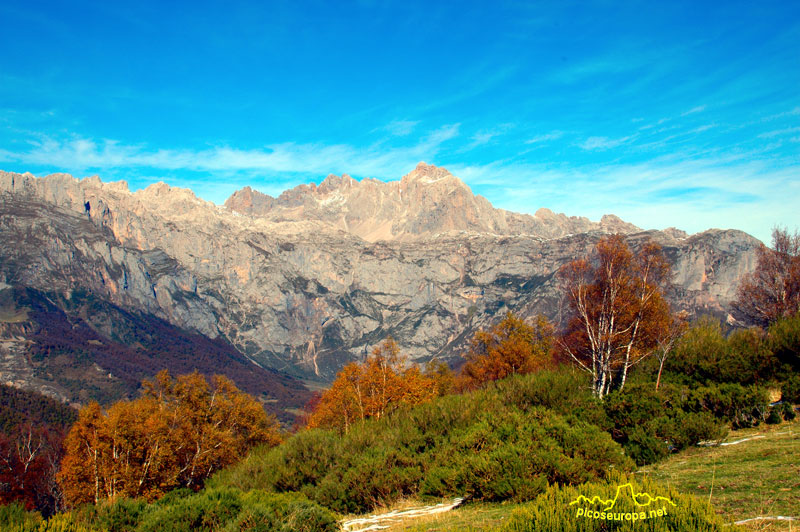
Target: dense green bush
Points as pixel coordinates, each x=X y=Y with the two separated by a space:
x=14 y=517
x=790 y=389
x=787 y=411
x=774 y=417
x=495 y=444
x=566 y=391
x=683 y=429
x=704 y=354
x=121 y=515
x=552 y=511
x=215 y=510
x=741 y=406
x=649 y=423
x=206 y=510
x=784 y=341
x=232 y=510
x=284 y=512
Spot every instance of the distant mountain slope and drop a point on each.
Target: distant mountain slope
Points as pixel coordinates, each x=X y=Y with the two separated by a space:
x=303 y=295
x=18 y=407
x=425 y=202
x=82 y=348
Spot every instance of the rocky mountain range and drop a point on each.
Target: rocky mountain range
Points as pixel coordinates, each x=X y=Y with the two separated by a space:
x=294 y=286
x=426 y=202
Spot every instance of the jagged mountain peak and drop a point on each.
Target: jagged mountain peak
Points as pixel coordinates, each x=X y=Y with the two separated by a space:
x=427 y=201
x=295 y=282
x=428 y=174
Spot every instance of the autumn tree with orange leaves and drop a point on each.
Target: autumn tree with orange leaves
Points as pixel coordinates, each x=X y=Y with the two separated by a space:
x=617 y=311
x=510 y=347
x=176 y=435
x=772 y=291
x=375 y=388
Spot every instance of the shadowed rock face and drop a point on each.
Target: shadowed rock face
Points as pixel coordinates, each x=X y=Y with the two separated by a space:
x=314 y=278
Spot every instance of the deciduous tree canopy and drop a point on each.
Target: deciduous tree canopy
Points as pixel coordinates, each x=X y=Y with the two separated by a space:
x=772 y=291
x=176 y=435
x=510 y=347
x=617 y=310
x=375 y=388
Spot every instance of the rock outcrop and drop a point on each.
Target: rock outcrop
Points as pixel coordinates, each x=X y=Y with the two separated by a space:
x=314 y=278
x=427 y=202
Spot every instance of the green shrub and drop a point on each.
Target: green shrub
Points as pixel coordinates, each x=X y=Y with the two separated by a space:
x=552 y=511
x=649 y=423
x=121 y=515
x=494 y=444
x=685 y=429
x=784 y=340
x=230 y=509
x=644 y=447
x=635 y=406
x=65 y=522
x=565 y=391
x=741 y=406
x=704 y=355
x=15 y=515
x=790 y=389
x=774 y=417
x=209 y=509
x=513 y=455
x=787 y=411
x=697 y=354
x=281 y=512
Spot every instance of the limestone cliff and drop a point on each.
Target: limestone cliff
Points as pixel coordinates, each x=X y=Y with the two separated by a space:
x=314 y=278
x=424 y=203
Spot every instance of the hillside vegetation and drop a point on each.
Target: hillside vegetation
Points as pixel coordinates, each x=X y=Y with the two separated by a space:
x=524 y=424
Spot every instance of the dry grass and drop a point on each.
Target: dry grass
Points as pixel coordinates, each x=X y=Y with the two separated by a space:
x=757 y=477
x=468 y=518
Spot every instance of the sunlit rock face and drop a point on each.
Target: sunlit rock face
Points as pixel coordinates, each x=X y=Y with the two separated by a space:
x=424 y=203
x=314 y=278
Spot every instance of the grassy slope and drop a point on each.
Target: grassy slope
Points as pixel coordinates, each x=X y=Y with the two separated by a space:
x=756 y=477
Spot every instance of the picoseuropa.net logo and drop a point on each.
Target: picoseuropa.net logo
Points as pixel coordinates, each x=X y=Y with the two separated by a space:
x=646 y=506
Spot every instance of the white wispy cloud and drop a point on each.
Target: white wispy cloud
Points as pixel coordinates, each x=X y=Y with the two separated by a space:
x=553 y=135
x=784 y=114
x=604 y=143
x=702 y=128
x=80 y=154
x=779 y=132
x=691 y=194
x=610 y=64
x=485 y=136
x=401 y=128
x=693 y=110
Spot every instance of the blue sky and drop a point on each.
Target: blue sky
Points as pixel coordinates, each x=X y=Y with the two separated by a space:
x=682 y=114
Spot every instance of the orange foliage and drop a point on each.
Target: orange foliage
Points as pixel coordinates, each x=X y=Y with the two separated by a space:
x=618 y=314
x=177 y=434
x=772 y=291
x=375 y=388
x=510 y=347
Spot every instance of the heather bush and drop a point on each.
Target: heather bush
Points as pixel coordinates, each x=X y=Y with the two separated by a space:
x=552 y=512
x=790 y=389
x=705 y=355
x=741 y=406
x=784 y=341
x=209 y=509
x=495 y=444
x=14 y=516
x=650 y=424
